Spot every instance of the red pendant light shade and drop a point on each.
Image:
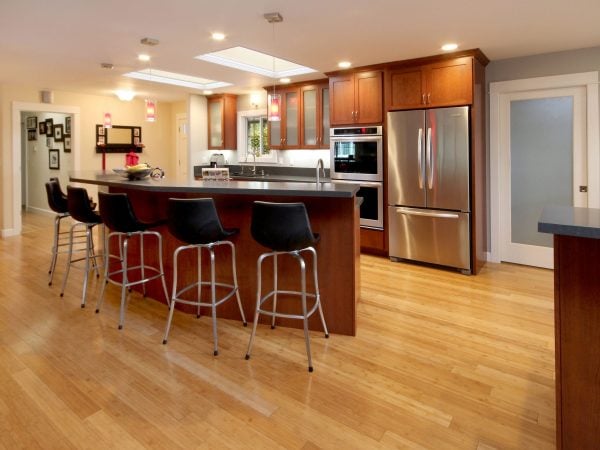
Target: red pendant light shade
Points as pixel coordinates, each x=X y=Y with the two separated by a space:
x=107 y=120
x=150 y=110
x=274 y=107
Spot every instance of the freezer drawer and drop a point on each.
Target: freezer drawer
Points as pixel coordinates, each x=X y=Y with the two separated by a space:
x=428 y=235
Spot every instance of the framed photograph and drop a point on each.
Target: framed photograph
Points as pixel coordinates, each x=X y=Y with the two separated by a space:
x=48 y=142
x=100 y=140
x=32 y=135
x=100 y=130
x=136 y=140
x=49 y=126
x=136 y=132
x=32 y=123
x=54 y=159
x=67 y=143
x=68 y=125
x=42 y=126
x=58 y=132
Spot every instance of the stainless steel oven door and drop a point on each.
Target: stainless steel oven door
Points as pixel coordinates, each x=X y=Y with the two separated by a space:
x=357 y=158
x=371 y=209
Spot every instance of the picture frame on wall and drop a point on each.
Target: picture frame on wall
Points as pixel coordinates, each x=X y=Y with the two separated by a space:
x=100 y=130
x=67 y=143
x=54 y=159
x=58 y=132
x=67 y=125
x=49 y=127
x=32 y=135
x=100 y=140
x=32 y=123
x=42 y=126
x=48 y=142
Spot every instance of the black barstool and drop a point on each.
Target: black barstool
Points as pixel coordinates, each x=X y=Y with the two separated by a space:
x=117 y=214
x=57 y=201
x=285 y=229
x=196 y=222
x=80 y=209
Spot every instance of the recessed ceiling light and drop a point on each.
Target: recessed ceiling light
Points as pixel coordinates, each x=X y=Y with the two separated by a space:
x=218 y=36
x=449 y=47
x=144 y=57
x=344 y=64
x=177 y=79
x=256 y=62
x=207 y=92
x=284 y=80
x=125 y=95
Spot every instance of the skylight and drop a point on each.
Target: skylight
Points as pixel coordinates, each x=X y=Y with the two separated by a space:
x=256 y=62
x=177 y=79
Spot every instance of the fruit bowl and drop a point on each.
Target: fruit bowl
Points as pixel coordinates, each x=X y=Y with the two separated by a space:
x=134 y=174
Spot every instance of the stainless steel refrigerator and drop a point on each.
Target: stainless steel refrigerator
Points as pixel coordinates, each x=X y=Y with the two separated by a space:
x=428 y=186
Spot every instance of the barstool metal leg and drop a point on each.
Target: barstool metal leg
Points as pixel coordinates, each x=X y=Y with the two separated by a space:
x=89 y=248
x=162 y=270
x=199 y=281
x=317 y=293
x=106 y=261
x=172 y=308
x=124 y=283
x=213 y=299
x=69 y=257
x=258 y=296
x=235 y=283
x=304 y=309
x=142 y=265
x=274 y=291
x=57 y=220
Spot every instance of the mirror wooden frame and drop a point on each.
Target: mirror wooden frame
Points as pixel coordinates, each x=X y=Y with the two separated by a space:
x=103 y=145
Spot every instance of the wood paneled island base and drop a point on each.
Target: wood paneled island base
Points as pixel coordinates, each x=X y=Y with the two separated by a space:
x=334 y=217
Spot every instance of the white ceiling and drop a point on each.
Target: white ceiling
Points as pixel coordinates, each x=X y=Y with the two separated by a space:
x=59 y=45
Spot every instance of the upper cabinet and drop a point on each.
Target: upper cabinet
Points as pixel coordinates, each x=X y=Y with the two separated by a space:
x=356 y=98
x=285 y=133
x=444 y=83
x=315 y=116
x=222 y=127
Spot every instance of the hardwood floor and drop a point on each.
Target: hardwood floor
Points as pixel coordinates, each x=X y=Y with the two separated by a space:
x=440 y=361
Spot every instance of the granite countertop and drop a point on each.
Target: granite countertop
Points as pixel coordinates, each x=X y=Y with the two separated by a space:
x=237 y=187
x=270 y=173
x=570 y=221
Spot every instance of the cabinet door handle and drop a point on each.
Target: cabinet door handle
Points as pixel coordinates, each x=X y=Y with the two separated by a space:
x=423 y=99
x=429 y=98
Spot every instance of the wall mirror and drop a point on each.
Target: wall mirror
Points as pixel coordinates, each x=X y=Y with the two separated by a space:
x=118 y=139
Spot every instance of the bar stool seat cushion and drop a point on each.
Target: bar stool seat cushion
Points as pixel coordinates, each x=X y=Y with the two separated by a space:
x=118 y=214
x=283 y=227
x=195 y=221
x=57 y=200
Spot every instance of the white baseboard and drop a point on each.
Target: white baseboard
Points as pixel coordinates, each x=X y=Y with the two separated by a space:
x=8 y=232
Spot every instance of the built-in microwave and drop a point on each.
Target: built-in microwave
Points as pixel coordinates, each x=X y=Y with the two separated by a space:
x=357 y=153
x=371 y=208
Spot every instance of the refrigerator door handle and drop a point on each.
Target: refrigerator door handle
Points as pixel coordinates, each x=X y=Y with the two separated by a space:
x=440 y=215
x=429 y=159
x=420 y=158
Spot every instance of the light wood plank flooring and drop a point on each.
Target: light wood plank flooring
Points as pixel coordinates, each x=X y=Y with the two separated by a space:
x=441 y=361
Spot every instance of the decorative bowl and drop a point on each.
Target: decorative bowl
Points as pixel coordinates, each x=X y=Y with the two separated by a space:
x=133 y=174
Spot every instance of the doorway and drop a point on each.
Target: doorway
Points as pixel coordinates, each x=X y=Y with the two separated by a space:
x=543 y=142
x=183 y=154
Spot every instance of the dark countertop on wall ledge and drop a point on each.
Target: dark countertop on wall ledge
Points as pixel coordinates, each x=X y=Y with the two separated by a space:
x=236 y=187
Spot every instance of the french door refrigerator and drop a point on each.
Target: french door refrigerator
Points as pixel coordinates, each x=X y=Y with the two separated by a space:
x=428 y=186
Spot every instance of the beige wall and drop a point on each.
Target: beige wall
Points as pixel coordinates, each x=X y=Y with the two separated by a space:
x=158 y=137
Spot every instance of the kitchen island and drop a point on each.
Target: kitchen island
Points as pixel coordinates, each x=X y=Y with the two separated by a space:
x=576 y=322
x=334 y=214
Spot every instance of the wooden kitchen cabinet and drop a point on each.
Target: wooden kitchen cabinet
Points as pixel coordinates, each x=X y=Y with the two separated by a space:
x=356 y=98
x=285 y=134
x=314 y=117
x=222 y=126
x=444 y=83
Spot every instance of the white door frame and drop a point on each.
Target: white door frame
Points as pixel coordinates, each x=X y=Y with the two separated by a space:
x=498 y=93
x=182 y=117
x=17 y=108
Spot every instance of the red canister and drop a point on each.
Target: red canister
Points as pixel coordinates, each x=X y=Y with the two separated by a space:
x=131 y=159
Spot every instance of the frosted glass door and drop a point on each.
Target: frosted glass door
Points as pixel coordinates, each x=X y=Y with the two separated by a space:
x=545 y=164
x=291 y=119
x=309 y=119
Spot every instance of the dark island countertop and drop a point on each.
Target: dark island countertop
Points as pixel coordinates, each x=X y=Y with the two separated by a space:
x=239 y=187
x=570 y=221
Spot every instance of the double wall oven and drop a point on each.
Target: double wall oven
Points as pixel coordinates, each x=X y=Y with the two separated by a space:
x=357 y=157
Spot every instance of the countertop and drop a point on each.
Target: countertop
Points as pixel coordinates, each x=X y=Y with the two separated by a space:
x=570 y=221
x=239 y=187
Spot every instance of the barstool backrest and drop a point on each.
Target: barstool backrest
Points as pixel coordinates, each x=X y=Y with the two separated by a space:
x=282 y=226
x=117 y=213
x=195 y=220
x=57 y=201
x=78 y=202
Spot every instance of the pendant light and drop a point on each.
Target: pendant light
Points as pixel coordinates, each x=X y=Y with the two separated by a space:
x=107 y=120
x=273 y=99
x=150 y=110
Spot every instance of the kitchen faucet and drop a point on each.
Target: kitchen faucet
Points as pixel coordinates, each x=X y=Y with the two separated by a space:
x=319 y=164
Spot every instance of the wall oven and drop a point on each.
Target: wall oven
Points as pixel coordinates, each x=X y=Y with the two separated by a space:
x=371 y=209
x=357 y=153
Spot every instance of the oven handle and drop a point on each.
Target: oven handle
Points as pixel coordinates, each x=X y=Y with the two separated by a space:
x=356 y=138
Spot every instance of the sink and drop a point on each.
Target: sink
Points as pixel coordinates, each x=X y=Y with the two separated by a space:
x=248 y=175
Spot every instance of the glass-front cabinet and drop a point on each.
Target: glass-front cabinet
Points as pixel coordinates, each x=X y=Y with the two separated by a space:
x=315 y=116
x=285 y=133
x=222 y=114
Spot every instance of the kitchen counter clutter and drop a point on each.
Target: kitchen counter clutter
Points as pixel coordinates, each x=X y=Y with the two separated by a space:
x=576 y=322
x=269 y=173
x=334 y=214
